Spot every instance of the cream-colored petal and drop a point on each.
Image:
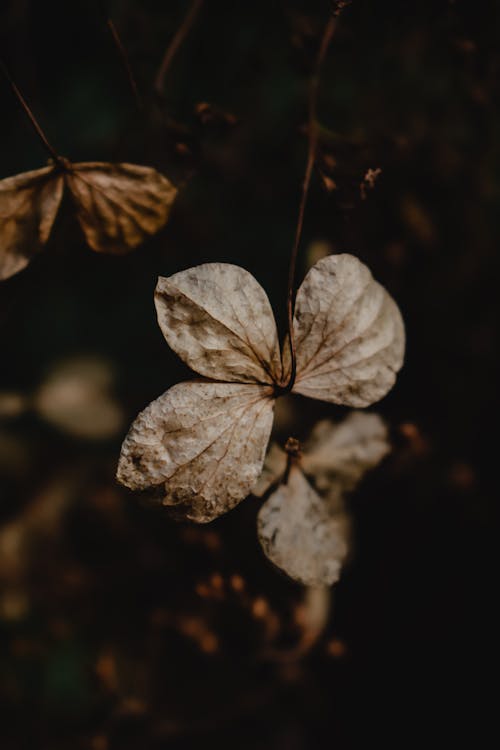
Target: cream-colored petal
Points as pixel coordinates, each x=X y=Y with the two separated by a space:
x=28 y=208
x=77 y=398
x=201 y=444
x=344 y=452
x=218 y=319
x=349 y=334
x=300 y=535
x=273 y=470
x=119 y=205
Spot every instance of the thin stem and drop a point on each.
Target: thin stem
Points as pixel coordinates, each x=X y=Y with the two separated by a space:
x=176 y=42
x=22 y=101
x=293 y=454
x=311 y=158
x=123 y=55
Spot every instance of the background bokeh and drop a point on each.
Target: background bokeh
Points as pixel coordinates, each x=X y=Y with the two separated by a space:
x=122 y=629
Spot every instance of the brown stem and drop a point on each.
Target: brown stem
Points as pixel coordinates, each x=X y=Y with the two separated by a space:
x=123 y=55
x=38 y=130
x=293 y=455
x=176 y=42
x=311 y=158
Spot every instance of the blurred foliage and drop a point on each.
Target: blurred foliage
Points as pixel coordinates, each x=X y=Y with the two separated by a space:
x=120 y=629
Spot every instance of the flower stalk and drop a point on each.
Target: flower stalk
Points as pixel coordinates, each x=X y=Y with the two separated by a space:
x=312 y=130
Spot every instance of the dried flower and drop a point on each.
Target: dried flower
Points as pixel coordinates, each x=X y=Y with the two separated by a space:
x=303 y=526
x=116 y=205
x=202 y=443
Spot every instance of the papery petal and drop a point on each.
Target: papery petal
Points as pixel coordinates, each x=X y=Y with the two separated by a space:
x=342 y=453
x=300 y=535
x=349 y=334
x=273 y=470
x=200 y=444
x=28 y=207
x=119 y=205
x=218 y=319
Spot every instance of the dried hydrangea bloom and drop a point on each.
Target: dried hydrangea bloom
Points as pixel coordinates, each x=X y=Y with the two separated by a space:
x=334 y=454
x=300 y=535
x=202 y=444
x=29 y=204
x=302 y=525
x=117 y=206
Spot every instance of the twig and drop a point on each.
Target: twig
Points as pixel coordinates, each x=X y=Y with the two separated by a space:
x=123 y=55
x=174 y=45
x=293 y=454
x=38 y=130
x=311 y=158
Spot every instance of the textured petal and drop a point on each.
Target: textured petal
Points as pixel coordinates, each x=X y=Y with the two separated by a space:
x=119 y=205
x=273 y=470
x=335 y=457
x=300 y=535
x=219 y=321
x=204 y=442
x=349 y=334
x=343 y=453
x=28 y=208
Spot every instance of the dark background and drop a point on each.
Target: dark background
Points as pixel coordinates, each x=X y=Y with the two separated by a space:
x=121 y=629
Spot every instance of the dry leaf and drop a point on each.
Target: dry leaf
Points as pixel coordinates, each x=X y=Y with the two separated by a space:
x=219 y=320
x=344 y=452
x=349 y=334
x=300 y=535
x=205 y=442
x=77 y=398
x=117 y=206
x=335 y=457
x=28 y=206
x=273 y=471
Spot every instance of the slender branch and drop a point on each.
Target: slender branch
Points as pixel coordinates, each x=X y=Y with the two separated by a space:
x=123 y=54
x=293 y=455
x=311 y=158
x=38 y=130
x=174 y=45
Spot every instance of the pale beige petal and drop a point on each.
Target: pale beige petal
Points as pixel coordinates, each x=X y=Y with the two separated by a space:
x=219 y=320
x=119 y=205
x=300 y=535
x=202 y=444
x=349 y=334
x=273 y=470
x=28 y=208
x=77 y=398
x=343 y=453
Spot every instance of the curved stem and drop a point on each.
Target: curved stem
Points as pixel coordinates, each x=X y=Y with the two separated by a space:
x=123 y=55
x=293 y=455
x=311 y=158
x=174 y=45
x=38 y=130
